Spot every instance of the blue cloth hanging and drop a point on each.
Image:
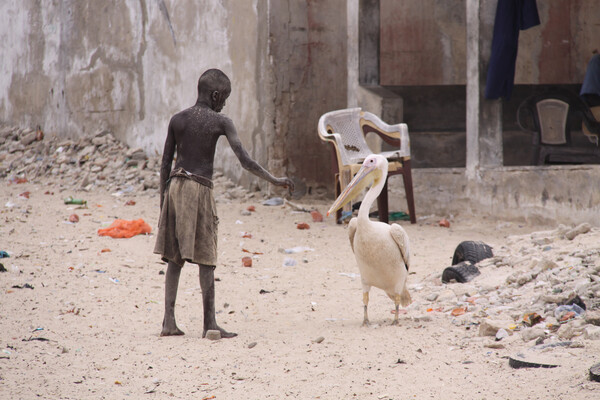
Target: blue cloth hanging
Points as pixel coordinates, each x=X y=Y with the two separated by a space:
x=512 y=16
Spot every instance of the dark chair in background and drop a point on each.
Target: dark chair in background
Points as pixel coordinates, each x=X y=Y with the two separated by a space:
x=550 y=116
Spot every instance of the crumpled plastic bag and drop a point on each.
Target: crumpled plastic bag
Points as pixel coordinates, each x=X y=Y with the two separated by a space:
x=121 y=229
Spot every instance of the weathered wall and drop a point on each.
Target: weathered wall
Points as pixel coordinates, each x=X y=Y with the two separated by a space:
x=74 y=67
x=552 y=194
x=424 y=42
x=308 y=46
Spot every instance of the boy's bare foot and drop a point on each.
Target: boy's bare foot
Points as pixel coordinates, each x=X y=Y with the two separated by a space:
x=171 y=331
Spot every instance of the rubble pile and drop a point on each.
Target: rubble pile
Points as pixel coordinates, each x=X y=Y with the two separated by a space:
x=545 y=285
x=97 y=162
x=100 y=161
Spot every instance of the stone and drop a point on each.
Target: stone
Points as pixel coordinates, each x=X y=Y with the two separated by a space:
x=213 y=334
x=28 y=138
x=592 y=317
x=532 y=334
x=591 y=332
x=578 y=230
x=490 y=327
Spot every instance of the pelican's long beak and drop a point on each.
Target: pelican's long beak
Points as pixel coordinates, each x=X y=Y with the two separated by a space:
x=363 y=178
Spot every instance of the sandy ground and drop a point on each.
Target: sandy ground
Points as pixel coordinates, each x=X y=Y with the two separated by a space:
x=101 y=312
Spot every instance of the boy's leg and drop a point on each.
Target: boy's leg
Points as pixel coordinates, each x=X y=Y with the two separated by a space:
x=207 y=283
x=169 y=327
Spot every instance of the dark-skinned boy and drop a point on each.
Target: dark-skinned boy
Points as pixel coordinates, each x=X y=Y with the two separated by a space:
x=188 y=220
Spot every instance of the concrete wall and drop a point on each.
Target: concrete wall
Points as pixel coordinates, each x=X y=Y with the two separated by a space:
x=74 y=67
x=551 y=195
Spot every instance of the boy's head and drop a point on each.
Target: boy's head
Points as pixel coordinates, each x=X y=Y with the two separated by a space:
x=214 y=87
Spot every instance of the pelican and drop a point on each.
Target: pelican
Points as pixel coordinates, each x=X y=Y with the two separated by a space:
x=381 y=250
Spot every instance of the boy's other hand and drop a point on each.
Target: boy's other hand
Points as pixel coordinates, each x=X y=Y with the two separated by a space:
x=286 y=183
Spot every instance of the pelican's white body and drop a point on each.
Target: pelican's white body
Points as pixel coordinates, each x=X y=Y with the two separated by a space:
x=379 y=256
x=382 y=251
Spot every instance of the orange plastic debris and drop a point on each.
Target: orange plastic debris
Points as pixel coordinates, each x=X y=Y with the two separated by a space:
x=444 y=223
x=121 y=228
x=74 y=218
x=251 y=208
x=316 y=216
x=247 y=261
x=130 y=203
x=458 y=311
x=303 y=225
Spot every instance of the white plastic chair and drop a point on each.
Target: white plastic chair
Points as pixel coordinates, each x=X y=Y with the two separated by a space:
x=346 y=130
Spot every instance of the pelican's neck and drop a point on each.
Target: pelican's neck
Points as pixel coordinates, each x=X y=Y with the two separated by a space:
x=370 y=197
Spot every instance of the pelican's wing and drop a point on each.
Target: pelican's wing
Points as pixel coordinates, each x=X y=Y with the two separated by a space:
x=401 y=238
x=352 y=231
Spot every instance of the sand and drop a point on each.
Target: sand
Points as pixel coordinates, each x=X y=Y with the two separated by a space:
x=89 y=328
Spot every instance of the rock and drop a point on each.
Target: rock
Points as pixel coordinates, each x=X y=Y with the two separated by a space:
x=28 y=138
x=591 y=332
x=532 y=333
x=490 y=327
x=592 y=317
x=432 y=296
x=213 y=334
x=580 y=229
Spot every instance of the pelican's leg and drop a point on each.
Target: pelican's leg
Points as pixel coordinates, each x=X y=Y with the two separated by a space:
x=366 y=303
x=397 y=303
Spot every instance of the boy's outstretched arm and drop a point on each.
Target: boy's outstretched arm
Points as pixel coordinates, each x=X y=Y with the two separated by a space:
x=167 y=161
x=247 y=162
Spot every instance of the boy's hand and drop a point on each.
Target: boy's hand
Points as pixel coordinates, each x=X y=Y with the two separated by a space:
x=286 y=183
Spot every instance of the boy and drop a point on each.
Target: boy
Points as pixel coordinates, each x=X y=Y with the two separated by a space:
x=187 y=229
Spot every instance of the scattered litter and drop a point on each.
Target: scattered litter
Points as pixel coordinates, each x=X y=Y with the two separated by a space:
x=17 y=180
x=247 y=261
x=238 y=222
x=71 y=200
x=297 y=207
x=565 y=313
x=537 y=356
x=501 y=334
x=2 y=269
x=462 y=272
x=24 y=195
x=246 y=235
x=125 y=229
x=303 y=225
x=106 y=250
x=273 y=201
x=444 y=223
x=316 y=216
x=4 y=254
x=31 y=339
x=298 y=249
x=114 y=280
x=345 y=215
x=256 y=253
x=74 y=218
x=130 y=203
x=9 y=204
x=289 y=262
x=458 y=311
x=531 y=319
x=25 y=286
x=251 y=208
x=351 y=275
